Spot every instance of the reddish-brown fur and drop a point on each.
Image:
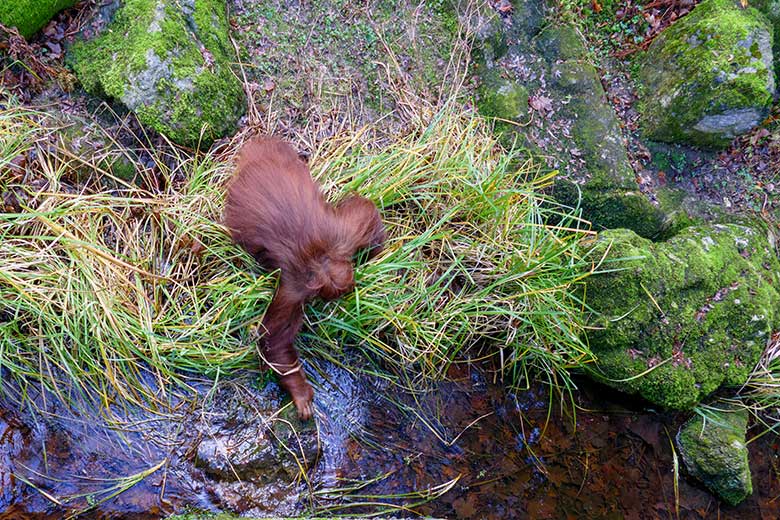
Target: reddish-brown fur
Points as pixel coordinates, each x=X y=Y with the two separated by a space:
x=277 y=213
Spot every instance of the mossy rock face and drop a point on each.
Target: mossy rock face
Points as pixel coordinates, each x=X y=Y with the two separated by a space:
x=503 y=99
x=714 y=452
x=169 y=62
x=561 y=42
x=29 y=16
x=674 y=321
x=771 y=9
x=614 y=207
x=595 y=128
x=708 y=78
x=529 y=15
x=544 y=83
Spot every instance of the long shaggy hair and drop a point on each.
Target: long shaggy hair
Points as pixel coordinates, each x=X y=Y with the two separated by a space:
x=277 y=213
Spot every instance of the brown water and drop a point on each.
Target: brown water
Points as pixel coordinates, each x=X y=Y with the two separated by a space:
x=509 y=457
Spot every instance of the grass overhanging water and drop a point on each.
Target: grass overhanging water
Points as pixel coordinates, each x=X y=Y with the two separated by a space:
x=101 y=287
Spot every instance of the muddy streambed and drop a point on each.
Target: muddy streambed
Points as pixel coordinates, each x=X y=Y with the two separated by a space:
x=492 y=455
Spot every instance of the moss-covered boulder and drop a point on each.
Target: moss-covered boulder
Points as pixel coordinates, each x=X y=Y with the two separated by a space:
x=610 y=206
x=505 y=100
x=607 y=192
x=708 y=78
x=771 y=8
x=169 y=62
x=714 y=452
x=675 y=320
x=28 y=16
x=542 y=81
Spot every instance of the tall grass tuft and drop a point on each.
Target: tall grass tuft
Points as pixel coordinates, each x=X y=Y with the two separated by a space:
x=761 y=394
x=474 y=266
x=101 y=291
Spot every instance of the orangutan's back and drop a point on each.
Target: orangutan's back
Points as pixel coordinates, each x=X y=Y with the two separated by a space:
x=273 y=206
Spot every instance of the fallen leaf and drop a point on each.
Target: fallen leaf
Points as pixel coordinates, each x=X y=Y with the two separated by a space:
x=540 y=103
x=504 y=7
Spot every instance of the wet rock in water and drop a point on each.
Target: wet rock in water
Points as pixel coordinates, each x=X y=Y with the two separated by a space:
x=709 y=77
x=29 y=16
x=714 y=452
x=673 y=321
x=169 y=62
x=541 y=80
x=257 y=443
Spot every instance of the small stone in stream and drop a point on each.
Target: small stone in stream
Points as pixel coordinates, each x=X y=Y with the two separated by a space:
x=714 y=452
x=256 y=444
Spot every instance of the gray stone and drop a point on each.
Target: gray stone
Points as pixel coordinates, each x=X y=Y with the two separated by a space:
x=170 y=63
x=261 y=446
x=549 y=100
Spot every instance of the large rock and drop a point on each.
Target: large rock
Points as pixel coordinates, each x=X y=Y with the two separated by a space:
x=537 y=83
x=608 y=192
x=708 y=78
x=169 y=62
x=673 y=321
x=714 y=452
x=28 y=16
x=771 y=8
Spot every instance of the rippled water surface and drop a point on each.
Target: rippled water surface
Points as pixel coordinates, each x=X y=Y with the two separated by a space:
x=497 y=455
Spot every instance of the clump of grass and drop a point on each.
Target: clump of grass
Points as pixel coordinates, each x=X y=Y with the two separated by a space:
x=18 y=127
x=473 y=267
x=761 y=393
x=101 y=291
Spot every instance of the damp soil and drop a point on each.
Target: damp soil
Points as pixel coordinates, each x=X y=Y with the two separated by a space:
x=504 y=455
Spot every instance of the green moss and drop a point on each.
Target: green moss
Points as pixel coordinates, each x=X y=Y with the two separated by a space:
x=528 y=17
x=613 y=207
x=561 y=42
x=714 y=451
x=170 y=66
x=609 y=195
x=771 y=9
x=580 y=135
x=29 y=16
x=673 y=204
x=490 y=44
x=711 y=70
x=595 y=128
x=691 y=314
x=503 y=99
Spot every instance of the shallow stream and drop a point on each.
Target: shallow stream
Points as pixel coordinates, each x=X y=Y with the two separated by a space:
x=492 y=455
